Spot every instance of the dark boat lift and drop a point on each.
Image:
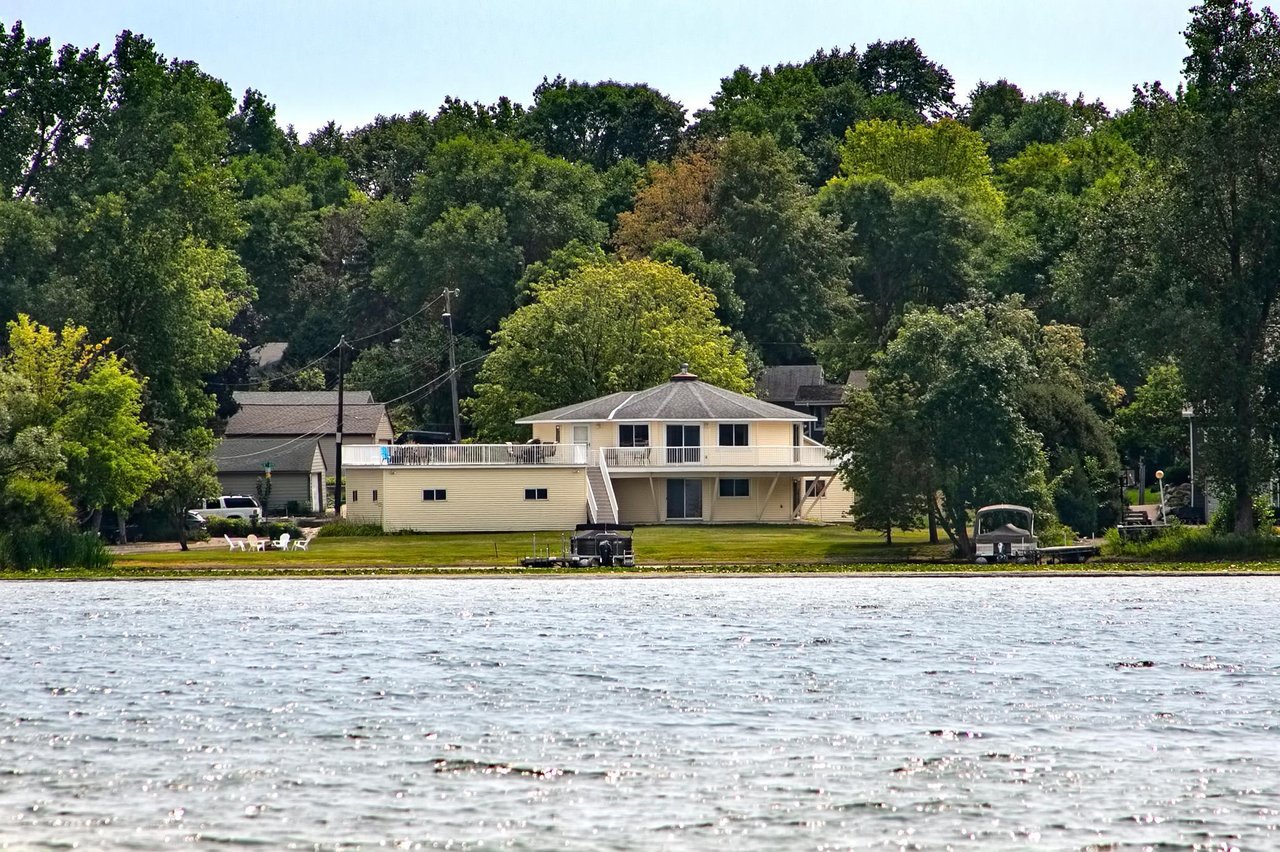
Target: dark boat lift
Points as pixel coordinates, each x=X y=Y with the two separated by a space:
x=590 y=545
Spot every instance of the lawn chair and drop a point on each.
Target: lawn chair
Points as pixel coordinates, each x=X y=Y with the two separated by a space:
x=252 y=542
x=301 y=543
x=234 y=543
x=282 y=543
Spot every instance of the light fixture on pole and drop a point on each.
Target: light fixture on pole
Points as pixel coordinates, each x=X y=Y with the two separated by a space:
x=1189 y=412
x=1160 y=479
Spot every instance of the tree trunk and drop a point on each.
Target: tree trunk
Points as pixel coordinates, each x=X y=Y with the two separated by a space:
x=1242 y=481
x=123 y=536
x=888 y=534
x=182 y=528
x=933 y=524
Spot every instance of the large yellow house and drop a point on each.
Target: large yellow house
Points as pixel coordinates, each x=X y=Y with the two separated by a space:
x=681 y=452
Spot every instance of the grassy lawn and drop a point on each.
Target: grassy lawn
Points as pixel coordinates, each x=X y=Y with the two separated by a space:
x=658 y=545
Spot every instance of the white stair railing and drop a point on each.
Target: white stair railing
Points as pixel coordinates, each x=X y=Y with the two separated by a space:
x=608 y=485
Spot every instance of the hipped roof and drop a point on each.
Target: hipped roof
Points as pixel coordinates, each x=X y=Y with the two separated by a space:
x=684 y=398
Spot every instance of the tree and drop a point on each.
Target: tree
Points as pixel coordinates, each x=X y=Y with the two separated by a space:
x=614 y=327
x=1151 y=426
x=901 y=69
x=186 y=475
x=604 y=123
x=1191 y=249
x=919 y=211
x=741 y=203
x=51 y=103
x=940 y=422
x=109 y=465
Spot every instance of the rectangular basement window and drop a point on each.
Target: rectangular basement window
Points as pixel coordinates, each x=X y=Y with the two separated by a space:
x=375 y=495
x=735 y=488
x=433 y=494
x=355 y=495
x=535 y=494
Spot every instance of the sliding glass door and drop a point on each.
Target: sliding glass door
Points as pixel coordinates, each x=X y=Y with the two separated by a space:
x=684 y=499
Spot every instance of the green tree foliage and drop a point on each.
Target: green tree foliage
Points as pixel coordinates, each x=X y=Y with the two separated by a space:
x=1152 y=425
x=603 y=124
x=387 y=156
x=742 y=203
x=620 y=326
x=1189 y=252
x=899 y=68
x=919 y=208
x=485 y=210
x=940 y=422
x=51 y=101
x=186 y=475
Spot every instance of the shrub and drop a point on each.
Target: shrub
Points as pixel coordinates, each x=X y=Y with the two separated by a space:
x=55 y=547
x=1192 y=544
x=347 y=529
x=229 y=526
x=240 y=528
x=1223 y=521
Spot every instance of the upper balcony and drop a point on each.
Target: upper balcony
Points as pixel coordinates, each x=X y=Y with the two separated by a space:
x=642 y=460
x=464 y=455
x=620 y=461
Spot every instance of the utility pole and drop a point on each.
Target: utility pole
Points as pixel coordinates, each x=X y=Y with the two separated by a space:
x=338 y=494
x=453 y=363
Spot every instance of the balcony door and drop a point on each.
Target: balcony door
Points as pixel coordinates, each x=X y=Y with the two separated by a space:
x=684 y=445
x=684 y=499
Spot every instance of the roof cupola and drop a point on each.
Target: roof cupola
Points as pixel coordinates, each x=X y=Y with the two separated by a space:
x=684 y=375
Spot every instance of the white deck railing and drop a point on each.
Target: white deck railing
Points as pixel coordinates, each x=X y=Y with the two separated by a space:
x=462 y=455
x=630 y=458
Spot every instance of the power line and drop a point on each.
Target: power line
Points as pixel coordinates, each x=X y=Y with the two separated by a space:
x=398 y=324
x=273 y=378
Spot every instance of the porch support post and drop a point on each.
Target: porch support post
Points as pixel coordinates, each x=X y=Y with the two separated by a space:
x=764 y=507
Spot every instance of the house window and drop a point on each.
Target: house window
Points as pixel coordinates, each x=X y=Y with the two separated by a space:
x=733 y=434
x=375 y=495
x=633 y=435
x=735 y=488
x=355 y=495
x=816 y=487
x=433 y=494
x=535 y=494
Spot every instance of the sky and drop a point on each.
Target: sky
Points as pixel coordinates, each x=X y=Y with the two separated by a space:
x=350 y=60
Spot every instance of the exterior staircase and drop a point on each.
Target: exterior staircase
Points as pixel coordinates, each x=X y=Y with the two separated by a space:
x=606 y=511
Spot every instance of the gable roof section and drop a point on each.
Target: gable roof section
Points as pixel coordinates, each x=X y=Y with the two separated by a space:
x=305 y=420
x=820 y=394
x=362 y=397
x=676 y=400
x=780 y=384
x=247 y=455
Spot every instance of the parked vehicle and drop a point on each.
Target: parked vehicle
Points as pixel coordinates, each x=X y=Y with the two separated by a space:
x=148 y=525
x=231 y=506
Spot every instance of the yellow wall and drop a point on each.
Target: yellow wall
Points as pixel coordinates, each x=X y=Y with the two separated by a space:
x=831 y=508
x=758 y=506
x=363 y=481
x=483 y=499
x=636 y=503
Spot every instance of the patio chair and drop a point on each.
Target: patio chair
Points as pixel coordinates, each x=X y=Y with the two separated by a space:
x=252 y=542
x=282 y=543
x=234 y=543
x=301 y=543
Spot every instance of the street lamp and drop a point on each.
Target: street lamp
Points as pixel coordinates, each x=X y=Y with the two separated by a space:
x=1160 y=479
x=1189 y=412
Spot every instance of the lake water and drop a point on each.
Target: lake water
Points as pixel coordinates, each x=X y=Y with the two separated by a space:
x=753 y=713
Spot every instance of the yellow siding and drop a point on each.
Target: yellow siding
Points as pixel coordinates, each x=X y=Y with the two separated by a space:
x=636 y=500
x=483 y=500
x=831 y=508
x=769 y=433
x=759 y=506
x=362 y=482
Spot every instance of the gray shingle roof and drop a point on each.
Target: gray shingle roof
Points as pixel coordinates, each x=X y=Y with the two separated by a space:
x=779 y=384
x=674 y=400
x=819 y=394
x=305 y=419
x=359 y=397
x=247 y=455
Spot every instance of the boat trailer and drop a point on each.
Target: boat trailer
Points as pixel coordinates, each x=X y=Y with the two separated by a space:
x=589 y=546
x=997 y=539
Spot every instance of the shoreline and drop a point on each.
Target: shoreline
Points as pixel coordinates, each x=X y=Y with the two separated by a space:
x=663 y=572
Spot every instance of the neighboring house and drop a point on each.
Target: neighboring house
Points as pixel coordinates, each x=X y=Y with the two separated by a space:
x=311 y=414
x=803 y=388
x=265 y=359
x=297 y=470
x=683 y=451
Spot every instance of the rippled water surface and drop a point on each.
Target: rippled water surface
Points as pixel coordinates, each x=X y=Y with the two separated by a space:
x=763 y=713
